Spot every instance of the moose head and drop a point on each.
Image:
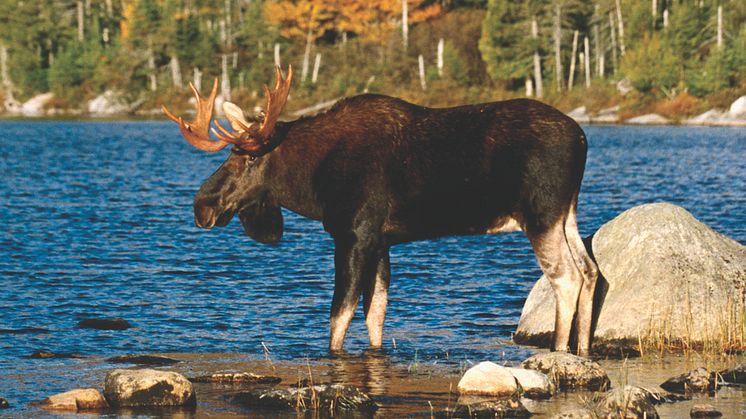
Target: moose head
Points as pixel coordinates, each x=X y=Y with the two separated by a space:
x=240 y=184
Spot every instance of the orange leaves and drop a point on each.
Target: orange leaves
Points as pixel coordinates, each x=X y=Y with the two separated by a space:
x=369 y=20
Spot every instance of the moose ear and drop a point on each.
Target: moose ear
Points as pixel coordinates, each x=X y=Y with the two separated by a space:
x=262 y=222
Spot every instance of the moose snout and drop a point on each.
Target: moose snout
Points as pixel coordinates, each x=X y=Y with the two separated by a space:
x=204 y=215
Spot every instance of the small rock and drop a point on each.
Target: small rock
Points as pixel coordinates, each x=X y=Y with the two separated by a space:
x=624 y=86
x=488 y=378
x=735 y=375
x=580 y=115
x=142 y=360
x=628 y=402
x=35 y=106
x=148 y=387
x=569 y=371
x=576 y=414
x=336 y=398
x=698 y=381
x=738 y=108
x=58 y=355
x=104 y=324
x=74 y=400
x=704 y=411
x=23 y=330
x=535 y=385
x=649 y=119
x=4 y=403
x=108 y=103
x=480 y=407
x=237 y=378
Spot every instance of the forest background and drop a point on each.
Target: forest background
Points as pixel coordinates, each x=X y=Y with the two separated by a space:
x=673 y=57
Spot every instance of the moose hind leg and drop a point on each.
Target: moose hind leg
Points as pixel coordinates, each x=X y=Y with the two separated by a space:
x=589 y=272
x=557 y=263
x=375 y=299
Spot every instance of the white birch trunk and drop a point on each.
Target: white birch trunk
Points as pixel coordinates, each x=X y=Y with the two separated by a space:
x=277 y=55
x=441 y=44
x=4 y=66
x=720 y=27
x=109 y=8
x=197 y=79
x=306 y=55
x=234 y=63
x=537 y=60
x=228 y=24
x=153 y=78
x=316 y=65
x=423 y=82
x=654 y=9
x=587 y=49
x=225 y=82
x=175 y=71
x=620 y=21
x=571 y=78
x=557 y=47
x=529 y=87
x=614 y=59
x=665 y=18
x=81 y=22
x=405 y=24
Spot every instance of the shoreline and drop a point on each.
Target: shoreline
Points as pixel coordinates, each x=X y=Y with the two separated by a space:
x=396 y=387
x=123 y=118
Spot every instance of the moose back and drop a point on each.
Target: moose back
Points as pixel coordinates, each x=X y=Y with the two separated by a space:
x=378 y=171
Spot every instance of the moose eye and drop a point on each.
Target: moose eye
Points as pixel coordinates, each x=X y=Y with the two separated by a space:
x=250 y=160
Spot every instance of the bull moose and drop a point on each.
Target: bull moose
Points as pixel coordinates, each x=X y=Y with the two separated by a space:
x=378 y=171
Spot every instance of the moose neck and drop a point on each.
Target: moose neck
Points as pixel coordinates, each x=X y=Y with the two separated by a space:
x=292 y=165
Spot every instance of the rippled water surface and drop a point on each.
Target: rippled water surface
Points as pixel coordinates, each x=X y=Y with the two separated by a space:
x=97 y=222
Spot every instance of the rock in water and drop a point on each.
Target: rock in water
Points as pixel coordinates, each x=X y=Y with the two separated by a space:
x=488 y=378
x=104 y=324
x=147 y=387
x=576 y=414
x=480 y=407
x=569 y=372
x=704 y=411
x=74 y=400
x=237 y=378
x=4 y=403
x=142 y=360
x=699 y=380
x=628 y=402
x=662 y=271
x=735 y=375
x=331 y=398
x=535 y=384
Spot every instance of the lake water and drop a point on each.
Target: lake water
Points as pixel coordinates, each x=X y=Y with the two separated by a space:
x=97 y=222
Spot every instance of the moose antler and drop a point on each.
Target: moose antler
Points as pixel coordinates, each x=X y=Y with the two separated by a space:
x=246 y=136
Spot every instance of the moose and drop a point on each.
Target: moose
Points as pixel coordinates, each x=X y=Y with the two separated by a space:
x=378 y=171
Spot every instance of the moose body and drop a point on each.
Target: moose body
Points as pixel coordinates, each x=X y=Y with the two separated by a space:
x=378 y=171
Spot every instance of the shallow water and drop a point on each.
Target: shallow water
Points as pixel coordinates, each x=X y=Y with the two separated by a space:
x=98 y=223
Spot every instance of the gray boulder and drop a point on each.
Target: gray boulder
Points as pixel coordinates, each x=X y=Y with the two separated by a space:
x=488 y=378
x=4 y=403
x=663 y=275
x=324 y=399
x=480 y=407
x=649 y=119
x=237 y=378
x=698 y=380
x=535 y=384
x=74 y=400
x=568 y=371
x=148 y=387
x=628 y=402
x=704 y=411
x=735 y=375
x=108 y=103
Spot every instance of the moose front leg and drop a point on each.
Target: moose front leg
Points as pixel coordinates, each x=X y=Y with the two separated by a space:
x=375 y=299
x=355 y=263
